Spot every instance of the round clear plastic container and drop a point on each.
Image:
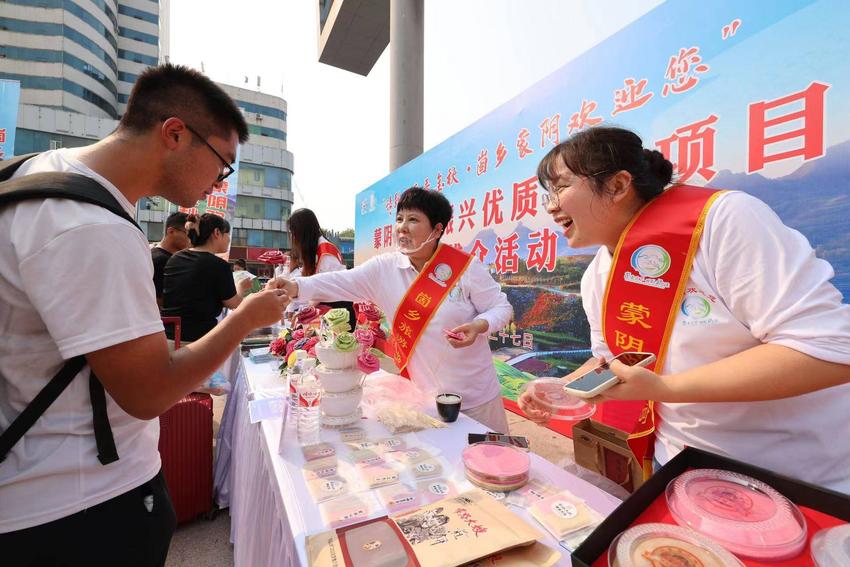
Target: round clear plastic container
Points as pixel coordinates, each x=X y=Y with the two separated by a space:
x=496 y=466
x=743 y=514
x=652 y=545
x=549 y=393
x=831 y=547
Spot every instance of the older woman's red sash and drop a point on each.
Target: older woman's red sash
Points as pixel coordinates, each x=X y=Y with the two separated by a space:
x=423 y=298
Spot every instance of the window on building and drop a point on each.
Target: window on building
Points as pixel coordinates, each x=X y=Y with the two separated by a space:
x=272 y=239
x=154 y=231
x=239 y=237
x=274 y=209
x=255 y=238
x=249 y=207
x=55 y=144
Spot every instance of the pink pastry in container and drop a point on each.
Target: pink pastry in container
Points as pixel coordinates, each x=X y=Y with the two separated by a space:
x=743 y=514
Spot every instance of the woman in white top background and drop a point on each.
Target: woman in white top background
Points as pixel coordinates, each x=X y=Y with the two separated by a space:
x=315 y=253
x=473 y=307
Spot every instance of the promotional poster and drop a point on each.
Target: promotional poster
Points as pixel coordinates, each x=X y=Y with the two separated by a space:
x=744 y=96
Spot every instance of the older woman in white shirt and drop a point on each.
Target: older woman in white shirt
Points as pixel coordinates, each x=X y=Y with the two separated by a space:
x=474 y=307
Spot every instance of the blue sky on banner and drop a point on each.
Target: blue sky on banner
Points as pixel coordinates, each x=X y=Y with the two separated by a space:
x=777 y=49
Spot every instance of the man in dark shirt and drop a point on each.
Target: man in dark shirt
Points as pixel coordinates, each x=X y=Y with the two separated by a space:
x=175 y=239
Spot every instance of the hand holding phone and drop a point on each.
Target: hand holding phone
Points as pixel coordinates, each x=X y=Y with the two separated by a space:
x=601 y=378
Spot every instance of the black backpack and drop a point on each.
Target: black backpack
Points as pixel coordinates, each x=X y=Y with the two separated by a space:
x=78 y=188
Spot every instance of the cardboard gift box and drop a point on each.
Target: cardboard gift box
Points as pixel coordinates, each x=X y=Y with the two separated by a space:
x=821 y=507
x=604 y=449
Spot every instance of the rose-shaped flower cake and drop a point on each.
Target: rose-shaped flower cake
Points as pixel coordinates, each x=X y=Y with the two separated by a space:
x=368 y=362
x=278 y=347
x=337 y=320
x=365 y=337
x=307 y=314
x=310 y=346
x=370 y=311
x=345 y=342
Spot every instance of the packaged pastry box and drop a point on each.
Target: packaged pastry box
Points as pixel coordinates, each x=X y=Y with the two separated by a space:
x=822 y=508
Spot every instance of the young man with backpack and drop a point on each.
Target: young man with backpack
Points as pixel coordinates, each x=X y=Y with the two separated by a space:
x=80 y=479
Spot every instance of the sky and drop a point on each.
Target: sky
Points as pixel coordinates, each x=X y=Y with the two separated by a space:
x=478 y=55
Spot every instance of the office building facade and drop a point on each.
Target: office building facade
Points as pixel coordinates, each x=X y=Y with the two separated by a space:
x=77 y=62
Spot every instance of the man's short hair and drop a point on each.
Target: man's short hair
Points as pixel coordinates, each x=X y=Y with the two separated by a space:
x=241 y=263
x=176 y=220
x=175 y=90
x=433 y=203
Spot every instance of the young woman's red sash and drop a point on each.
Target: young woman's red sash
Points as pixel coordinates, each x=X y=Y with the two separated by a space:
x=423 y=298
x=326 y=248
x=649 y=273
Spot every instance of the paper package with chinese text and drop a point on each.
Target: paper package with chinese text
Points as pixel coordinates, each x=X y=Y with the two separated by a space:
x=452 y=531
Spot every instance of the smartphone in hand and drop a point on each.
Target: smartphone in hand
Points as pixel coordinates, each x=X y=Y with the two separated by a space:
x=601 y=378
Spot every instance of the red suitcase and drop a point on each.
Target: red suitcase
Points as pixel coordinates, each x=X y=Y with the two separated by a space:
x=186 y=449
x=185 y=445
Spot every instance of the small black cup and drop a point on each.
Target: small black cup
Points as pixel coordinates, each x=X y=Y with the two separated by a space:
x=448 y=406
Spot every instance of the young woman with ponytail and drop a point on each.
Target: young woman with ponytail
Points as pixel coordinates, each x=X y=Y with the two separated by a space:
x=754 y=341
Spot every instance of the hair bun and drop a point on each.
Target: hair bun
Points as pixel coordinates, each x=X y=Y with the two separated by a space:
x=659 y=165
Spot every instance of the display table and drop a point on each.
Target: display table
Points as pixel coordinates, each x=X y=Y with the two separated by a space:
x=270 y=507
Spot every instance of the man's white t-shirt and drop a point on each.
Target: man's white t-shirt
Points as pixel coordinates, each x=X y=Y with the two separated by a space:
x=74 y=278
x=754 y=281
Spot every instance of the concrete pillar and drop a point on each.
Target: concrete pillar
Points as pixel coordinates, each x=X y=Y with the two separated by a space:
x=407 y=78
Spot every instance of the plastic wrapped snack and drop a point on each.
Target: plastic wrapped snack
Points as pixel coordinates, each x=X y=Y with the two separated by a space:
x=392 y=444
x=320 y=468
x=399 y=418
x=563 y=514
x=363 y=445
x=318 y=451
x=536 y=490
x=366 y=457
x=352 y=434
x=435 y=489
x=389 y=389
x=374 y=476
x=348 y=509
x=322 y=489
x=428 y=468
x=398 y=497
x=408 y=456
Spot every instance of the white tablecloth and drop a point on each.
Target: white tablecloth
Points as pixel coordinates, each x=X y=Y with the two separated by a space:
x=271 y=510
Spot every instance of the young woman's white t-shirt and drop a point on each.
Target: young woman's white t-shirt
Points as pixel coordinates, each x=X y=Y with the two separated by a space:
x=754 y=281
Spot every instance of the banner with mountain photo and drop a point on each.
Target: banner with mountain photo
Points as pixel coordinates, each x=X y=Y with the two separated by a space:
x=752 y=96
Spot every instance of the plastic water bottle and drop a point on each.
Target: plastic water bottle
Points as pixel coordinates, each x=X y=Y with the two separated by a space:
x=294 y=379
x=295 y=373
x=309 y=411
x=283 y=270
